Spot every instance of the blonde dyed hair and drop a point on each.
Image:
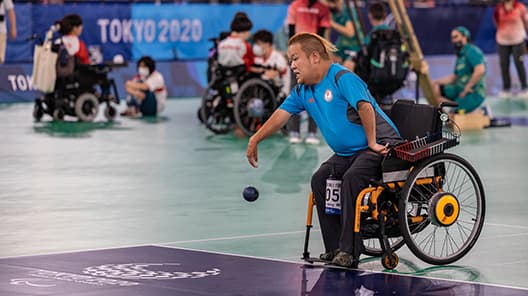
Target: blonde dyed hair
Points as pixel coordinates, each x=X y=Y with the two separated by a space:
x=312 y=42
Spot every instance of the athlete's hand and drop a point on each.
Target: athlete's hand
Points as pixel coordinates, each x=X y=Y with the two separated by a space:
x=252 y=152
x=378 y=148
x=467 y=90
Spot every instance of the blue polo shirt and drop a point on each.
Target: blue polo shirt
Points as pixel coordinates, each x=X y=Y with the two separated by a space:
x=333 y=106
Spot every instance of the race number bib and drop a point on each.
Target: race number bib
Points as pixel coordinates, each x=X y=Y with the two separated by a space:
x=333 y=197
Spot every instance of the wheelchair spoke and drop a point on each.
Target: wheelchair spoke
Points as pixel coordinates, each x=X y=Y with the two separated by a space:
x=463 y=231
x=254 y=104
x=468 y=212
x=428 y=238
x=451 y=239
x=373 y=246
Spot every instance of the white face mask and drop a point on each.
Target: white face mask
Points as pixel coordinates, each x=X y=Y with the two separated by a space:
x=143 y=72
x=257 y=50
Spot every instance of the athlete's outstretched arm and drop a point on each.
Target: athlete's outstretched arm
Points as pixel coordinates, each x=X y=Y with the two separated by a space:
x=277 y=120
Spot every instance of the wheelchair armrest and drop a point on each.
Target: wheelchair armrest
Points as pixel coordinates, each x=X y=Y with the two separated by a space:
x=394 y=169
x=448 y=104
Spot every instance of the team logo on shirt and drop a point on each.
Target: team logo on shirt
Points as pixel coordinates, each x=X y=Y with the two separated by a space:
x=328 y=96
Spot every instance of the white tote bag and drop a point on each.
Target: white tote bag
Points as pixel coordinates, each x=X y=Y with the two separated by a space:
x=44 y=72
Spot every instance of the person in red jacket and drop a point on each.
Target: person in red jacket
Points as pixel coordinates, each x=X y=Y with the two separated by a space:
x=71 y=27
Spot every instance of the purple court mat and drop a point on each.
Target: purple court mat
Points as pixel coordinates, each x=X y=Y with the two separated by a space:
x=156 y=271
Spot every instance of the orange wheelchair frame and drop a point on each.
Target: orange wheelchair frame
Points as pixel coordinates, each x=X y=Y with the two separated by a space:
x=429 y=200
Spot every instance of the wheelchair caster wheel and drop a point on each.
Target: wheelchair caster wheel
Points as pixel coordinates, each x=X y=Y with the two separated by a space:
x=110 y=113
x=389 y=261
x=199 y=114
x=38 y=112
x=58 y=115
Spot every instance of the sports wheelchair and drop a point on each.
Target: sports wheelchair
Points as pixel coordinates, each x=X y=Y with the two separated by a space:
x=235 y=96
x=77 y=90
x=427 y=199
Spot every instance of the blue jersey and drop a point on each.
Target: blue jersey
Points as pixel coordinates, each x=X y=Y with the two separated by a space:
x=332 y=103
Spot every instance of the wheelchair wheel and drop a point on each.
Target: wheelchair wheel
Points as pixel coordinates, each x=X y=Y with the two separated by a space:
x=38 y=111
x=215 y=112
x=442 y=209
x=254 y=104
x=86 y=107
x=372 y=246
x=58 y=114
x=110 y=113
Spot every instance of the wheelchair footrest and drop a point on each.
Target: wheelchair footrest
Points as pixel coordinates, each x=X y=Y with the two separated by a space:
x=314 y=260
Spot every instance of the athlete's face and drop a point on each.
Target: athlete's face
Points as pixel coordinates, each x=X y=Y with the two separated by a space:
x=302 y=65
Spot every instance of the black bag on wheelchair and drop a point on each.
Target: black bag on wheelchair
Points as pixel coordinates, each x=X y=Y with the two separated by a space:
x=415 y=120
x=386 y=65
x=65 y=62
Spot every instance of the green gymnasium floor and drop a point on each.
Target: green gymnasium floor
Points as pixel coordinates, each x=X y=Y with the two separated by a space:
x=76 y=186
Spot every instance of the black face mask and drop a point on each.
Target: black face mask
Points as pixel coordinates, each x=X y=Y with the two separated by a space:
x=458 y=46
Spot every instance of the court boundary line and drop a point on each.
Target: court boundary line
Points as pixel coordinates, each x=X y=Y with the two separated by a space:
x=504 y=235
x=359 y=270
x=77 y=251
x=148 y=244
x=506 y=225
x=239 y=237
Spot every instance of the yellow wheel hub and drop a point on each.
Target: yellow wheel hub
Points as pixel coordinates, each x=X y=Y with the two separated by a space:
x=445 y=209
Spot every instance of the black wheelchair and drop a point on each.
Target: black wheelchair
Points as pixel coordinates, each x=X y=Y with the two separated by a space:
x=80 y=95
x=427 y=199
x=78 y=89
x=236 y=97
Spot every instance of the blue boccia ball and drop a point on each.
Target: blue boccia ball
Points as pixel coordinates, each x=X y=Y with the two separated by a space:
x=250 y=193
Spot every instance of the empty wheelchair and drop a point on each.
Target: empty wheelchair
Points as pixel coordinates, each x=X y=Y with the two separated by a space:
x=427 y=199
x=70 y=88
x=237 y=98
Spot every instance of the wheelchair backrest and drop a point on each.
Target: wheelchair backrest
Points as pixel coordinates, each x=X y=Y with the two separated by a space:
x=65 y=62
x=415 y=120
x=232 y=72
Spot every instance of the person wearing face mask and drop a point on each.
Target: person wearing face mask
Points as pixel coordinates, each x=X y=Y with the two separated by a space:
x=511 y=21
x=346 y=43
x=353 y=125
x=466 y=85
x=147 y=92
x=266 y=55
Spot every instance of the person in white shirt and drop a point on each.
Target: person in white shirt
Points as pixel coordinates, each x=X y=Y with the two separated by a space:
x=267 y=55
x=235 y=50
x=7 y=10
x=147 y=92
